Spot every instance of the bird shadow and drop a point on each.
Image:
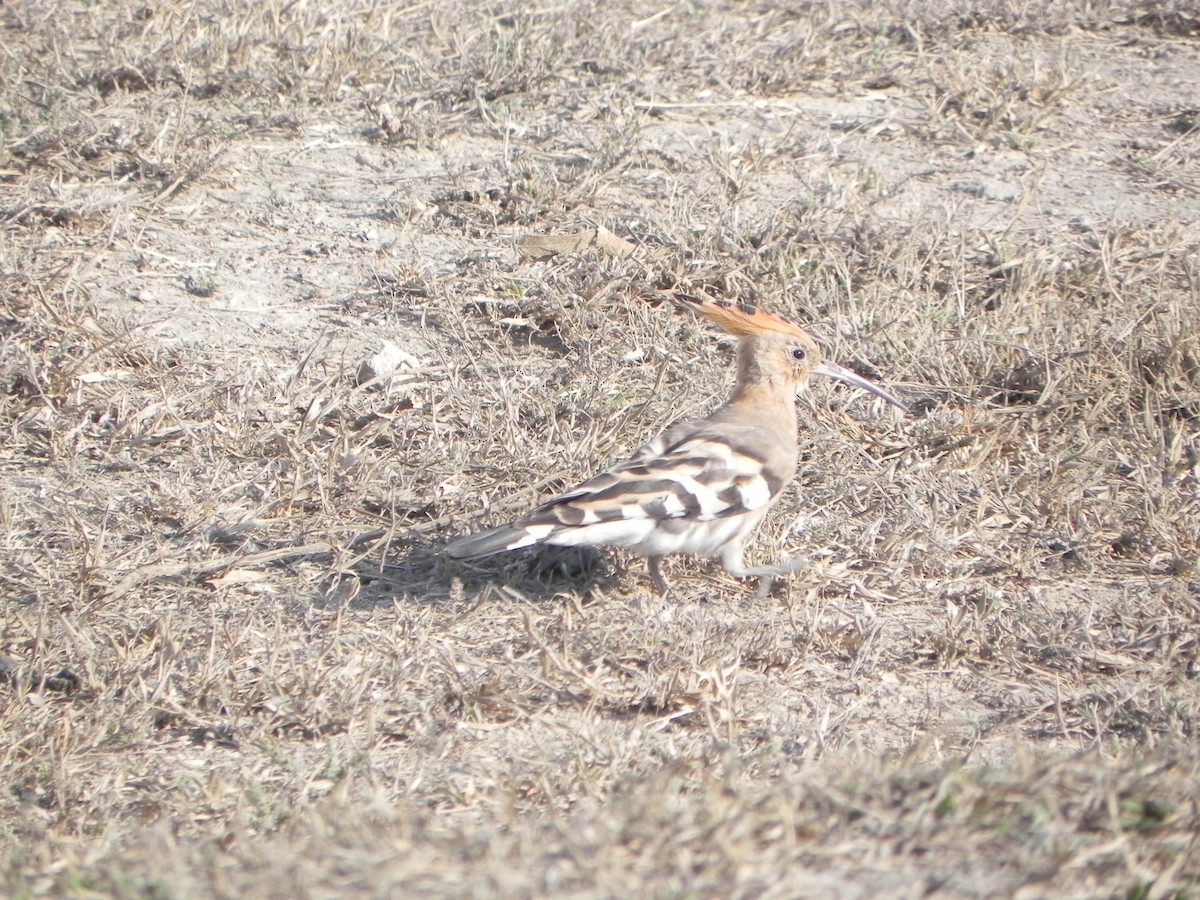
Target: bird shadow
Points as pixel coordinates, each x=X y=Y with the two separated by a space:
x=420 y=575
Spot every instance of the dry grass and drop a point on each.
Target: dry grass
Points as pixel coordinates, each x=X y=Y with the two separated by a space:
x=233 y=663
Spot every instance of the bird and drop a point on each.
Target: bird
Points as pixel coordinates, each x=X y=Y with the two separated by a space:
x=703 y=486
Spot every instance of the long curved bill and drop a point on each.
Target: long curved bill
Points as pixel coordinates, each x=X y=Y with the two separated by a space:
x=833 y=370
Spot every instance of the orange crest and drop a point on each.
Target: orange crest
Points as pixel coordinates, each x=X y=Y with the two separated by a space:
x=740 y=319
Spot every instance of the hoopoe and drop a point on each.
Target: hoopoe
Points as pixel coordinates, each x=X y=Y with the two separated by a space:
x=703 y=485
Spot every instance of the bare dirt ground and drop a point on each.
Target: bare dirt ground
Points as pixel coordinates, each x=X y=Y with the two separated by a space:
x=232 y=662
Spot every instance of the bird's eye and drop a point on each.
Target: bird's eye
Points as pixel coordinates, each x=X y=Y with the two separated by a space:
x=799 y=353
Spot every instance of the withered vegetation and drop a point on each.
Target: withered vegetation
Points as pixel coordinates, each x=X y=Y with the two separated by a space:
x=232 y=662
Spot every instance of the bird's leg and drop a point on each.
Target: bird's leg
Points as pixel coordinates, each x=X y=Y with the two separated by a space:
x=732 y=561
x=765 y=585
x=783 y=567
x=656 y=576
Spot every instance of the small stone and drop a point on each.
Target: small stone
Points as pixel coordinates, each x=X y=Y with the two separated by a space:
x=387 y=365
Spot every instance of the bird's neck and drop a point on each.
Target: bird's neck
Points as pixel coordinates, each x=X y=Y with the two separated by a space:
x=762 y=396
x=766 y=398
x=761 y=388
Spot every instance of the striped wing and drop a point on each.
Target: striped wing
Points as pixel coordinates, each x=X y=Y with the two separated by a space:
x=699 y=477
x=699 y=486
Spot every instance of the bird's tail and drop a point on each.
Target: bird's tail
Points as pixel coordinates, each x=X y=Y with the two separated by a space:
x=485 y=543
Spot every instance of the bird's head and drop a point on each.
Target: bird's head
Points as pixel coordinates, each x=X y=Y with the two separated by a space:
x=772 y=347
